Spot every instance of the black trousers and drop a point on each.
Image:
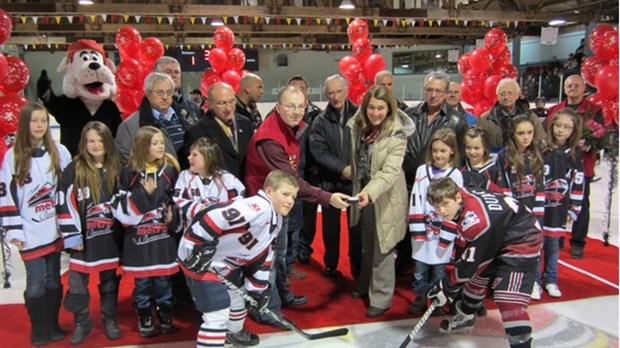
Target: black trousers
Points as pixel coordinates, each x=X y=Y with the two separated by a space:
x=580 y=227
x=331 y=240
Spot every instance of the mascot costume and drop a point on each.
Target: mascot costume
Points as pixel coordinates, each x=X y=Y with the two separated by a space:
x=89 y=87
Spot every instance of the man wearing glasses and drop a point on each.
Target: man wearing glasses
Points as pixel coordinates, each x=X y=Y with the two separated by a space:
x=232 y=133
x=156 y=109
x=188 y=109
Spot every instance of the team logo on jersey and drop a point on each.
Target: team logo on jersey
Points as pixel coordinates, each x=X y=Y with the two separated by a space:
x=42 y=194
x=98 y=220
x=555 y=191
x=469 y=220
x=525 y=188
x=255 y=207
x=433 y=225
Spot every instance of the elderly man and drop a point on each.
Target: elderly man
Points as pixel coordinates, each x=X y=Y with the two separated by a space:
x=454 y=100
x=575 y=88
x=330 y=141
x=188 y=110
x=275 y=145
x=498 y=120
x=250 y=92
x=230 y=131
x=386 y=79
x=157 y=109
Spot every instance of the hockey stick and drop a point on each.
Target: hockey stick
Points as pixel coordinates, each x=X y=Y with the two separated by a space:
x=418 y=326
x=309 y=336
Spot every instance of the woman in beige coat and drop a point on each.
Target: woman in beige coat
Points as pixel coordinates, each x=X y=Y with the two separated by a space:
x=379 y=132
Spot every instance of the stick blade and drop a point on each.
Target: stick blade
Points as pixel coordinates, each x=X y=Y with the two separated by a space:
x=332 y=333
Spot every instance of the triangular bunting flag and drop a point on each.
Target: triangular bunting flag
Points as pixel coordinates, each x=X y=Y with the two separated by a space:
x=318 y=21
x=251 y=46
x=456 y=22
x=491 y=24
x=49 y=45
x=24 y=18
x=202 y=46
x=170 y=19
x=439 y=22
x=288 y=20
x=482 y=23
x=403 y=22
x=256 y=18
x=203 y=20
x=323 y=46
x=508 y=24
x=465 y=22
x=298 y=20
x=167 y=46
x=267 y=20
x=329 y=47
x=347 y=19
x=35 y=19
x=192 y=20
x=264 y=46
x=413 y=23
x=105 y=17
x=516 y=24
x=225 y=19
x=303 y=46
x=149 y=20
x=137 y=18
x=159 y=19
x=93 y=18
x=375 y=21
x=57 y=19
x=236 y=18
x=243 y=45
x=430 y=22
x=270 y=46
x=384 y=22
x=126 y=18
x=328 y=21
x=342 y=47
x=70 y=18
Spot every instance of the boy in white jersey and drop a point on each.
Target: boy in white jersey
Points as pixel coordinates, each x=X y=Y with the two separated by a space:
x=234 y=239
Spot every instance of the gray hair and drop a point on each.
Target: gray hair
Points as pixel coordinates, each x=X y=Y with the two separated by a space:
x=507 y=81
x=164 y=60
x=154 y=78
x=438 y=75
x=291 y=90
x=380 y=74
x=335 y=77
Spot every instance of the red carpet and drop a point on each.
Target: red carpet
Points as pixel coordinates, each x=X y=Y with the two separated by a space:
x=329 y=301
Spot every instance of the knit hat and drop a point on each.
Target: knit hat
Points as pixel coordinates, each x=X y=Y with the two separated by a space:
x=84 y=45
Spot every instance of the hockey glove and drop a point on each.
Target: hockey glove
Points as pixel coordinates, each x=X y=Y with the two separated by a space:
x=261 y=299
x=200 y=259
x=441 y=293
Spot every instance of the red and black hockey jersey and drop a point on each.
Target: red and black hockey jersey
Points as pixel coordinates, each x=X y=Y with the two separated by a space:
x=564 y=185
x=82 y=222
x=149 y=247
x=486 y=177
x=245 y=230
x=28 y=212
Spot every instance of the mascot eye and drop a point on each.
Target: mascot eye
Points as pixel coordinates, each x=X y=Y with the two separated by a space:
x=85 y=59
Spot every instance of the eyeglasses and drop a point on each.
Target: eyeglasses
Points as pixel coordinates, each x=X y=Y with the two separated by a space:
x=224 y=103
x=161 y=93
x=332 y=94
x=506 y=94
x=563 y=126
x=292 y=107
x=436 y=91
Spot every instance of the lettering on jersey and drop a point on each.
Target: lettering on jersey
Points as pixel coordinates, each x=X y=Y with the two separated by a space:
x=469 y=220
x=44 y=206
x=151 y=229
x=433 y=225
x=145 y=239
x=491 y=201
x=255 y=207
x=555 y=191
x=524 y=188
x=98 y=221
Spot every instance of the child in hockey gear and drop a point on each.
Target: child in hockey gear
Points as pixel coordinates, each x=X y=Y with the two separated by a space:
x=498 y=238
x=143 y=204
x=479 y=170
x=234 y=240
x=430 y=266
x=89 y=230
x=28 y=177
x=206 y=181
x=521 y=165
x=563 y=194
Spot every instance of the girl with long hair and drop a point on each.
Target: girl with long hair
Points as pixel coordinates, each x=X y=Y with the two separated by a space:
x=478 y=169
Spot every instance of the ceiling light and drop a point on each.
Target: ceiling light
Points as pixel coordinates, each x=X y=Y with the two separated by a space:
x=438 y=55
x=405 y=66
x=557 y=22
x=86 y=2
x=217 y=22
x=347 y=5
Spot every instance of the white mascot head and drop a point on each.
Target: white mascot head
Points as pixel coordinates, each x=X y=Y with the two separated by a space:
x=90 y=75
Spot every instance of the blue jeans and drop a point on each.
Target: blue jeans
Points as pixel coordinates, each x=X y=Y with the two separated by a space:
x=158 y=287
x=295 y=222
x=426 y=276
x=208 y=296
x=279 y=291
x=550 y=255
x=42 y=273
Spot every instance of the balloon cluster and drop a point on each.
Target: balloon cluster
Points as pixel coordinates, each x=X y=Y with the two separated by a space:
x=601 y=71
x=227 y=62
x=137 y=60
x=14 y=76
x=483 y=68
x=360 y=68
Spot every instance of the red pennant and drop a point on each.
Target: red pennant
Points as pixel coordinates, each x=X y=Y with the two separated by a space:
x=149 y=20
x=278 y=20
x=114 y=18
x=46 y=19
x=81 y=17
x=308 y=21
x=181 y=20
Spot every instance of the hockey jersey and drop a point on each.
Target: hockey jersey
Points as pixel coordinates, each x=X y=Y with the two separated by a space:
x=526 y=190
x=149 y=247
x=245 y=230
x=82 y=222
x=28 y=212
x=491 y=226
x=564 y=185
x=424 y=222
x=485 y=177
x=192 y=192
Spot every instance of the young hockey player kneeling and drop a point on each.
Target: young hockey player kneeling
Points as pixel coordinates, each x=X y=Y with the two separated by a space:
x=500 y=239
x=234 y=239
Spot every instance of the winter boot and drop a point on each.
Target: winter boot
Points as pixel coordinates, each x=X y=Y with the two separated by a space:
x=459 y=322
x=78 y=305
x=164 y=314
x=109 y=302
x=146 y=328
x=54 y=300
x=419 y=305
x=36 y=311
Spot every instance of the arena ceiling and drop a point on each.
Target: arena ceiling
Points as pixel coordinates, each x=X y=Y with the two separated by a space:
x=308 y=23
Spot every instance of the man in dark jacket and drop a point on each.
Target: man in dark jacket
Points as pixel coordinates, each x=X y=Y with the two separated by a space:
x=250 y=91
x=330 y=141
x=230 y=131
x=171 y=67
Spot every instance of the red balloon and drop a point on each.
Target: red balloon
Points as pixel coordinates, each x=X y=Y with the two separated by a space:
x=610 y=114
x=6 y=26
x=499 y=59
x=373 y=64
x=606 y=81
x=218 y=59
x=232 y=78
x=479 y=60
x=129 y=74
x=244 y=72
x=10 y=105
x=482 y=106
x=356 y=93
x=128 y=41
x=152 y=49
x=508 y=71
x=495 y=40
x=344 y=63
x=362 y=49
x=208 y=78
x=353 y=72
x=589 y=67
x=17 y=75
x=224 y=38
x=128 y=100
x=3 y=149
x=609 y=47
x=236 y=59
x=463 y=63
x=357 y=29
x=597 y=38
x=4 y=66
x=467 y=95
x=490 y=87
x=597 y=99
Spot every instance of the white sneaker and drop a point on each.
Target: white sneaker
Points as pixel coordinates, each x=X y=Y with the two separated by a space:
x=553 y=290
x=536 y=292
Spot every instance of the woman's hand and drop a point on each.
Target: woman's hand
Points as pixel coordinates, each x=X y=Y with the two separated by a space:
x=364 y=200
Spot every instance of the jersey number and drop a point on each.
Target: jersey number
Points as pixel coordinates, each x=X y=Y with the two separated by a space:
x=468 y=255
x=2 y=189
x=234 y=217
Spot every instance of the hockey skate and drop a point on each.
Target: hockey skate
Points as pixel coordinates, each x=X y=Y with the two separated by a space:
x=459 y=322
